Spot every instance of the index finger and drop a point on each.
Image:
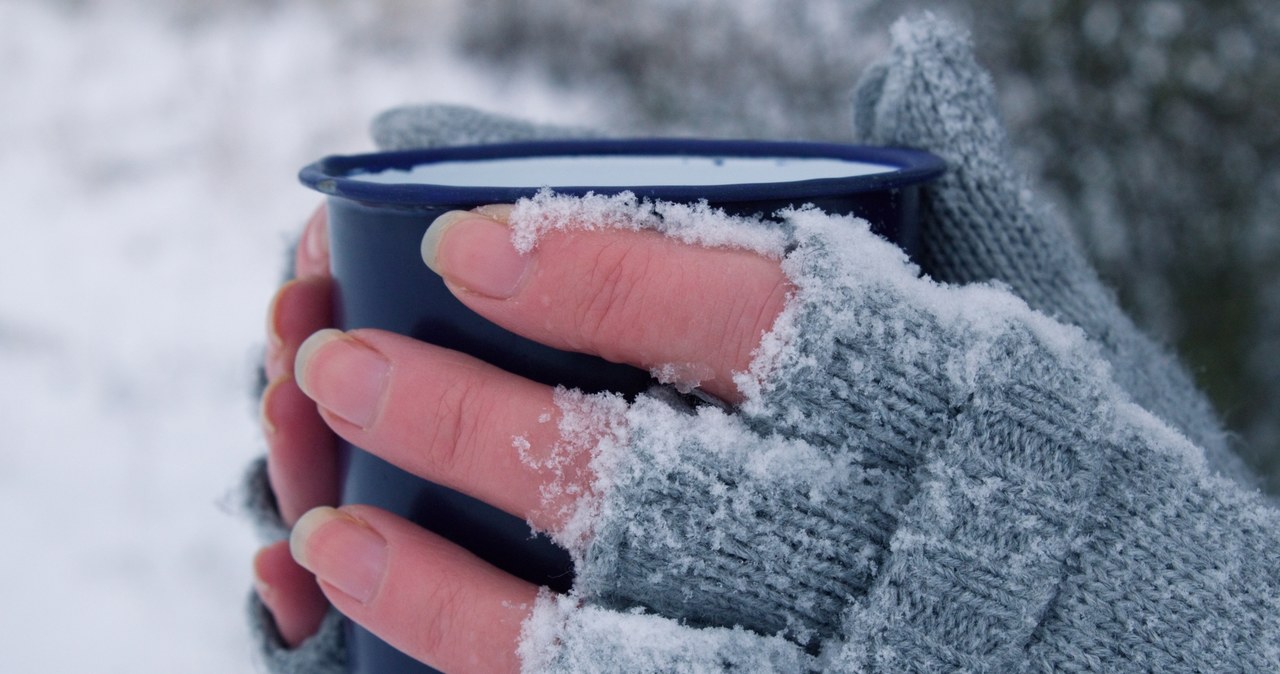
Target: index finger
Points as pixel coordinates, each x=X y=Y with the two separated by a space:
x=692 y=315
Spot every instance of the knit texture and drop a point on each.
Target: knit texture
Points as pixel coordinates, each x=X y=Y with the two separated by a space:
x=1011 y=509
x=982 y=221
x=323 y=653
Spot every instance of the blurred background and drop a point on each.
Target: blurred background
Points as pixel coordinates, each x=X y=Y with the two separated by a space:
x=148 y=163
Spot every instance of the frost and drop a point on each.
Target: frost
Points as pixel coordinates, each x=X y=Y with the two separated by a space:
x=1171 y=211
x=685 y=377
x=592 y=430
x=696 y=223
x=562 y=637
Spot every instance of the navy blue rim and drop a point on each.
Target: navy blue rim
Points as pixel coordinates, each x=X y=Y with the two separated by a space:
x=330 y=175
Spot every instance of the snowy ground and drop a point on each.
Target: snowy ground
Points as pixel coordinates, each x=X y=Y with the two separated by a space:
x=149 y=191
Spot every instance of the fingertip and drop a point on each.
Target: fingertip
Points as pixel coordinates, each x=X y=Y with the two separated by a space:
x=475 y=253
x=347 y=554
x=312 y=256
x=434 y=235
x=289 y=593
x=310 y=522
x=299 y=308
x=262 y=573
x=267 y=406
x=307 y=351
x=431 y=240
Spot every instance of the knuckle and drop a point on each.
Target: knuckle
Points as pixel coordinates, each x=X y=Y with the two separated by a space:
x=613 y=295
x=443 y=604
x=457 y=423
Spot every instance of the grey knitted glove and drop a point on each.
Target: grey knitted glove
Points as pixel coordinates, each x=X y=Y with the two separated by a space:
x=981 y=221
x=930 y=478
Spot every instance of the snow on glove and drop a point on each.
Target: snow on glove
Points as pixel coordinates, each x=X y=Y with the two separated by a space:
x=931 y=478
x=923 y=478
x=790 y=538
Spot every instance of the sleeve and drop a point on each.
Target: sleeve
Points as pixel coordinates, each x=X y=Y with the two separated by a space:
x=936 y=478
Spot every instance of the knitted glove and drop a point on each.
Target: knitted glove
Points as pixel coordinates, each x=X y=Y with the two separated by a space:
x=930 y=477
x=981 y=221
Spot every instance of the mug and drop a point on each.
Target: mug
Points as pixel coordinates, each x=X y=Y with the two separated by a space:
x=380 y=205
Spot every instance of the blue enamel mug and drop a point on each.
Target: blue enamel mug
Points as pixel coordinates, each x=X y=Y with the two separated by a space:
x=380 y=205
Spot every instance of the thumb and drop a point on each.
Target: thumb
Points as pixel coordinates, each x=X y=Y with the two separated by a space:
x=981 y=221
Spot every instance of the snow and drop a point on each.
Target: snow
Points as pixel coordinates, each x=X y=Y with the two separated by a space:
x=696 y=223
x=150 y=154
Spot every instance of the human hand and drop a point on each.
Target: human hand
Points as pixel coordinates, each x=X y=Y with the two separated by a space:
x=452 y=419
x=302 y=461
x=302 y=453
x=913 y=475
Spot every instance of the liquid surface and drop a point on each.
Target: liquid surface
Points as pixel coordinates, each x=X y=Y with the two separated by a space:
x=623 y=171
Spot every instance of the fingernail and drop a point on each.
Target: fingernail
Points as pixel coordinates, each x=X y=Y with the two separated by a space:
x=341 y=550
x=474 y=252
x=343 y=375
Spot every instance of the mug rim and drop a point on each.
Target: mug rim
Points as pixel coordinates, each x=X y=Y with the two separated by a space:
x=330 y=175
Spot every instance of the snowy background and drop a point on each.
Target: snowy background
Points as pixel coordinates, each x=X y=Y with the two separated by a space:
x=148 y=170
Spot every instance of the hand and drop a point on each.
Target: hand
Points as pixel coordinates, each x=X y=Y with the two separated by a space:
x=302 y=454
x=633 y=297
x=302 y=460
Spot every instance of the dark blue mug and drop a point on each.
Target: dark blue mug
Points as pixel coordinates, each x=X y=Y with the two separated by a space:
x=380 y=205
